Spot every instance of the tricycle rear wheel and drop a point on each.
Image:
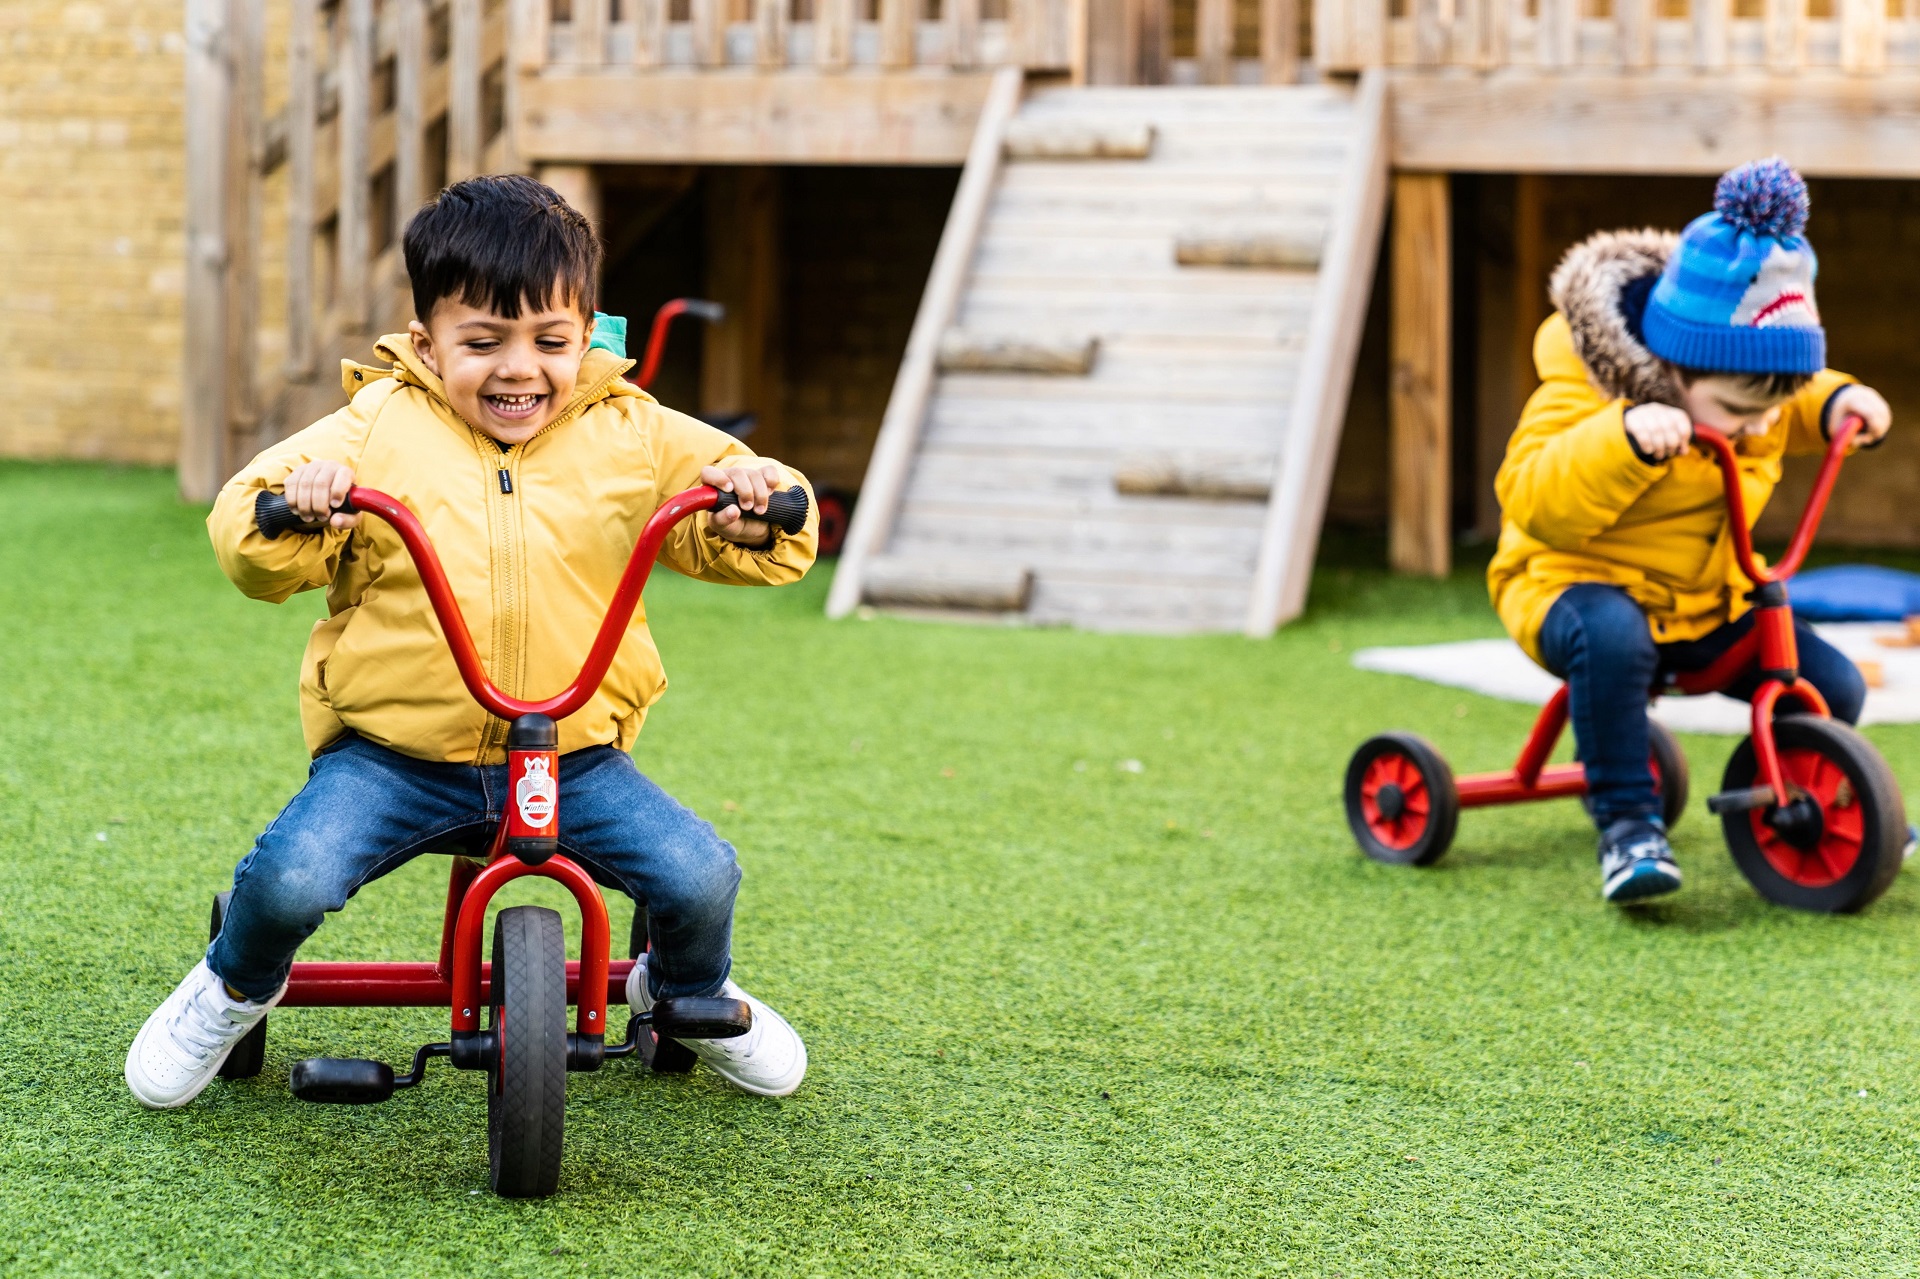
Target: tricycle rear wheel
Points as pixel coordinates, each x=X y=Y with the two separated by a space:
x=1845 y=847
x=250 y=1054
x=1402 y=805
x=527 y=1077
x=662 y=1056
x=1670 y=774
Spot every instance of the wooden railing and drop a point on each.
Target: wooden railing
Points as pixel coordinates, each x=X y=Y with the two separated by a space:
x=773 y=35
x=1781 y=37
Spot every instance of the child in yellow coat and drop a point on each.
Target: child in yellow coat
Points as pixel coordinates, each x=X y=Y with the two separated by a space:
x=1615 y=565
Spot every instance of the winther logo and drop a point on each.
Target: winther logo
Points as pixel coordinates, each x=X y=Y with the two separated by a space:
x=535 y=794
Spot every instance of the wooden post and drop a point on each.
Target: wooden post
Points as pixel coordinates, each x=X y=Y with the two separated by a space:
x=463 y=89
x=300 y=156
x=963 y=33
x=709 y=21
x=1786 y=35
x=1279 y=41
x=353 y=241
x=649 y=32
x=409 y=123
x=1633 y=33
x=1863 y=36
x=1429 y=36
x=246 y=148
x=1213 y=37
x=1557 y=35
x=1151 y=19
x=209 y=104
x=770 y=34
x=833 y=34
x=741 y=368
x=1710 y=22
x=899 y=27
x=1110 y=42
x=589 y=33
x=1420 y=515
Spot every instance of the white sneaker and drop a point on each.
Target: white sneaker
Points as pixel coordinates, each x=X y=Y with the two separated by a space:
x=768 y=1061
x=187 y=1039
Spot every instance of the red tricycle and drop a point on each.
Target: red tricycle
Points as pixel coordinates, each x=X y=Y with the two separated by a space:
x=1809 y=809
x=524 y=1046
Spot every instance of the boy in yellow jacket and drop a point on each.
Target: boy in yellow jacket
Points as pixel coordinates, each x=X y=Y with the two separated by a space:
x=533 y=465
x=1615 y=567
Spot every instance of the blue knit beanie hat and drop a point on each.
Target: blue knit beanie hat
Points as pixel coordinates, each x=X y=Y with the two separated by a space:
x=1737 y=294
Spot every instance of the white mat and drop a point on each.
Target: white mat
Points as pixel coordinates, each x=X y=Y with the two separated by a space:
x=1497 y=668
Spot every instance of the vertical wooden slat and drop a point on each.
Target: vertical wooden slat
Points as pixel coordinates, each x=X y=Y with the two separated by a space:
x=770 y=34
x=899 y=23
x=1107 y=41
x=463 y=89
x=530 y=28
x=1633 y=33
x=1711 y=19
x=354 y=69
x=246 y=147
x=963 y=33
x=300 y=143
x=1863 y=36
x=590 y=32
x=740 y=368
x=1786 y=35
x=1558 y=34
x=1279 y=41
x=649 y=32
x=1213 y=38
x=1152 y=21
x=1420 y=514
x=1429 y=36
x=409 y=123
x=209 y=99
x=833 y=34
x=709 y=32
x=1364 y=25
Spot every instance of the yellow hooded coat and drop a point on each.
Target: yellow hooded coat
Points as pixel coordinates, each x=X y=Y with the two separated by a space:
x=1578 y=504
x=533 y=568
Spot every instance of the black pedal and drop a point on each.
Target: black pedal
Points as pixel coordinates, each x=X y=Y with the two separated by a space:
x=341 y=1081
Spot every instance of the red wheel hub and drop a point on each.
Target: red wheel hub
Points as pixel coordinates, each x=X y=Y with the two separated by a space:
x=1843 y=823
x=1394 y=800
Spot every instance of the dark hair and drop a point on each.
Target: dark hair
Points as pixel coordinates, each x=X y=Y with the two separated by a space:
x=1769 y=388
x=498 y=243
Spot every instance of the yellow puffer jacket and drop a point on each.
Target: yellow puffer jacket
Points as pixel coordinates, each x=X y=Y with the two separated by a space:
x=1578 y=505
x=533 y=568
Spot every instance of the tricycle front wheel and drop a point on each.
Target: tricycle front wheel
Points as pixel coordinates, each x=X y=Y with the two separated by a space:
x=527 y=1078
x=1839 y=844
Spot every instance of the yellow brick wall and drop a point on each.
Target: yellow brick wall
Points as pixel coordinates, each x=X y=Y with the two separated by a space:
x=91 y=206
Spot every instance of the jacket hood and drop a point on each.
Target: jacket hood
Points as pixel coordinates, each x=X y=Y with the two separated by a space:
x=600 y=374
x=1601 y=287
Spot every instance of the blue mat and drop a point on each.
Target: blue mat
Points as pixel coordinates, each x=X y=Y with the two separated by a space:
x=1855 y=593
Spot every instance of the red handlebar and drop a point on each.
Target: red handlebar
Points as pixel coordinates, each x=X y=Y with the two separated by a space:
x=626 y=597
x=1789 y=564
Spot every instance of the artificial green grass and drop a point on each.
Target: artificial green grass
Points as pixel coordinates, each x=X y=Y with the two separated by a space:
x=1064 y=1018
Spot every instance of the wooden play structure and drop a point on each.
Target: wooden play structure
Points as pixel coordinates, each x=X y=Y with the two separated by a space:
x=1121 y=397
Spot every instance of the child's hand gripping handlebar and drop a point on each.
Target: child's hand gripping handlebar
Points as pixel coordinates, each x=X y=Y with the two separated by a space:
x=1722 y=449
x=786 y=511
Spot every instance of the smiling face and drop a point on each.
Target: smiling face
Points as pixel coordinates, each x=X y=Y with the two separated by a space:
x=507 y=377
x=1730 y=407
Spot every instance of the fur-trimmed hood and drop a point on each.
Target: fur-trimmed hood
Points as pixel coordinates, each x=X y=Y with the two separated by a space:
x=1594 y=288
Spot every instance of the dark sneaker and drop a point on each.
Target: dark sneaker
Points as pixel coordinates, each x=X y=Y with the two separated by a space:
x=1636 y=861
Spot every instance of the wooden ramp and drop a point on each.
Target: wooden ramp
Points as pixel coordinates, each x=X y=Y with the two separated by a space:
x=1122 y=397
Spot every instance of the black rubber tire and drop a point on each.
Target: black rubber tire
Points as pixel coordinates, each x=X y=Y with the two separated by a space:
x=527 y=1080
x=663 y=1056
x=1432 y=838
x=249 y=1056
x=1670 y=772
x=1870 y=786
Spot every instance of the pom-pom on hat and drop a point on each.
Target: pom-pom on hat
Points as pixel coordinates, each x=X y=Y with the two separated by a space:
x=1737 y=294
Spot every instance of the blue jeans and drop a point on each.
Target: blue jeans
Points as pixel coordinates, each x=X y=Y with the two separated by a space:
x=1596 y=639
x=366 y=810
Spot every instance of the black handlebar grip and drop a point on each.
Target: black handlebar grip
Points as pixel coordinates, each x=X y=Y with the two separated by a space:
x=786 y=509
x=273 y=515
